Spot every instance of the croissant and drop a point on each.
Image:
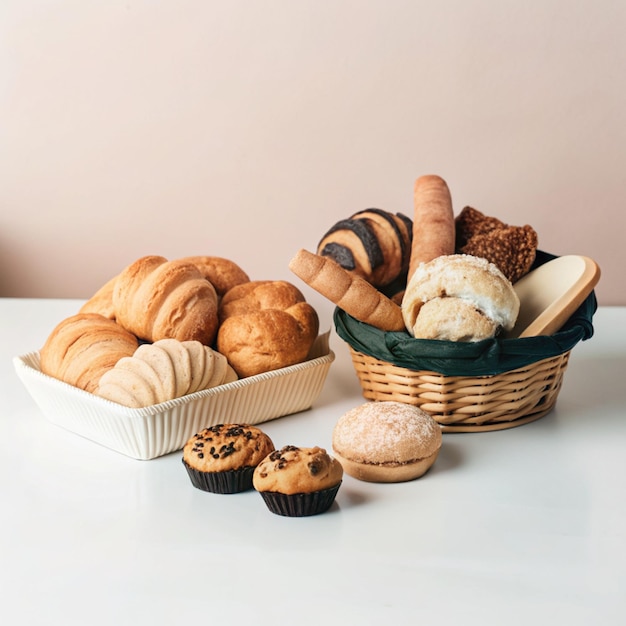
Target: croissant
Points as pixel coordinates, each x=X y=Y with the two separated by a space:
x=373 y=244
x=164 y=370
x=157 y=299
x=102 y=301
x=83 y=347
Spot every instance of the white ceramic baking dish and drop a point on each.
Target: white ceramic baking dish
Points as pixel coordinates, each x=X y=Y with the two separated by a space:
x=156 y=430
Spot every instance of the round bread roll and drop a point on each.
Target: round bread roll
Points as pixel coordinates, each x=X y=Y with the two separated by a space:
x=452 y=319
x=265 y=325
x=223 y=274
x=386 y=442
x=477 y=289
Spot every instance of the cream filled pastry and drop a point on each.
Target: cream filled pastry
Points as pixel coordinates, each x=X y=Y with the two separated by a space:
x=386 y=442
x=459 y=297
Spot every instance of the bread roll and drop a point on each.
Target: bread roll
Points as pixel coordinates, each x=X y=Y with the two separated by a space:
x=265 y=325
x=477 y=289
x=386 y=442
x=222 y=273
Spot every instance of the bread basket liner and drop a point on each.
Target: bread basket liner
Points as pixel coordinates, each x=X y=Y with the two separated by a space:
x=482 y=358
x=150 y=432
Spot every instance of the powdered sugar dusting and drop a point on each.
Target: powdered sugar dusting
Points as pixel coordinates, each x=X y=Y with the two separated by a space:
x=386 y=432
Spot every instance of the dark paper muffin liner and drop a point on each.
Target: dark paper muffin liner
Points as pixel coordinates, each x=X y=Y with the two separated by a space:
x=231 y=481
x=300 y=504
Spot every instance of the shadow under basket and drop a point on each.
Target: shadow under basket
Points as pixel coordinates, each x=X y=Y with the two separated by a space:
x=466 y=387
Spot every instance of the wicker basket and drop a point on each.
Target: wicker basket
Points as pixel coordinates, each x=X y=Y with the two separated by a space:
x=465 y=403
x=492 y=385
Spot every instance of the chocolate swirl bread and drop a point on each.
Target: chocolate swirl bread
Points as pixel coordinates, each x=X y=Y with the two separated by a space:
x=373 y=244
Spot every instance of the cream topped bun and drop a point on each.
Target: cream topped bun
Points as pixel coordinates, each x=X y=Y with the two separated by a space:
x=386 y=442
x=467 y=297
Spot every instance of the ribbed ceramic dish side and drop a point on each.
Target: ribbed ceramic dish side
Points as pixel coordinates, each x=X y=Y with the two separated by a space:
x=153 y=431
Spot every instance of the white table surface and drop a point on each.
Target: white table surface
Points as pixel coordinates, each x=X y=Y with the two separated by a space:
x=520 y=526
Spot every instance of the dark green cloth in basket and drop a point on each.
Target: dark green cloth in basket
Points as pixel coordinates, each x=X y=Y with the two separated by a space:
x=482 y=358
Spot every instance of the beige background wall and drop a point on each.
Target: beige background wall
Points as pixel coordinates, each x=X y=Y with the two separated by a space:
x=246 y=128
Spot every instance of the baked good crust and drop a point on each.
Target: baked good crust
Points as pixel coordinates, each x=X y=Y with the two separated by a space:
x=294 y=470
x=512 y=248
x=265 y=325
x=386 y=473
x=452 y=319
x=348 y=291
x=386 y=441
x=82 y=347
x=472 y=279
x=222 y=273
x=157 y=299
x=226 y=447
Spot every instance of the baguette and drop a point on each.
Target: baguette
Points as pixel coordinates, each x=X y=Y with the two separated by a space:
x=351 y=293
x=433 y=222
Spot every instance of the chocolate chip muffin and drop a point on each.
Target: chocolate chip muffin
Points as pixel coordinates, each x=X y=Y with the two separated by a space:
x=297 y=482
x=222 y=458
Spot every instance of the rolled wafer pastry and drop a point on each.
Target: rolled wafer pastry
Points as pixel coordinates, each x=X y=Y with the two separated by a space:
x=374 y=244
x=433 y=221
x=351 y=293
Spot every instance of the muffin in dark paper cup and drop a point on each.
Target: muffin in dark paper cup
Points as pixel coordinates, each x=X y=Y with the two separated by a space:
x=300 y=504
x=229 y=481
x=222 y=458
x=298 y=482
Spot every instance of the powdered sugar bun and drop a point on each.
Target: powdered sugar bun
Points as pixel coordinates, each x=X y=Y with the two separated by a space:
x=386 y=442
x=471 y=279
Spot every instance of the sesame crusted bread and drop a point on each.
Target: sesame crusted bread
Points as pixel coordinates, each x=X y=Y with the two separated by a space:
x=512 y=248
x=349 y=292
x=386 y=442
